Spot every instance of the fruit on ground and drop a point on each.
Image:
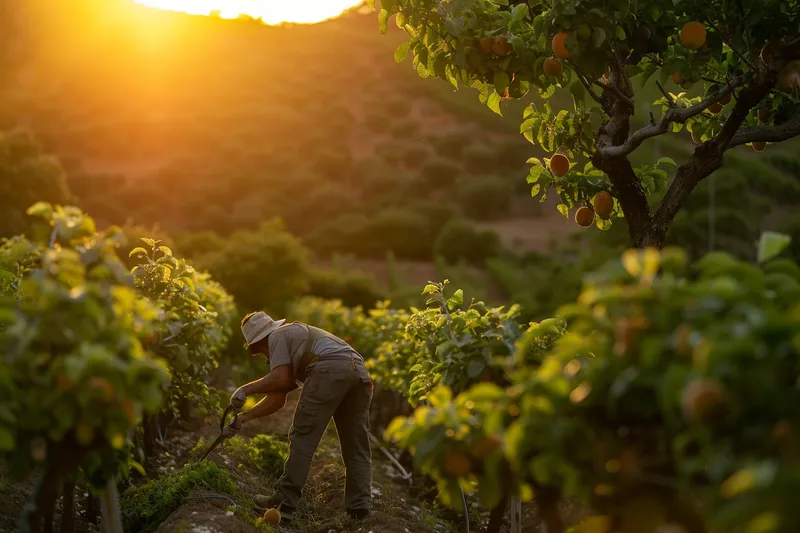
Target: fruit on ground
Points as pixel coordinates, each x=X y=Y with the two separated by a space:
x=486 y=45
x=764 y=114
x=693 y=35
x=553 y=67
x=501 y=47
x=486 y=446
x=725 y=100
x=584 y=216
x=559 y=45
x=272 y=516
x=715 y=108
x=559 y=165
x=704 y=400
x=603 y=204
x=456 y=464
x=759 y=146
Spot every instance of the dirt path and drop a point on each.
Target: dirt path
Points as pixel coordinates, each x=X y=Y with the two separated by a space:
x=322 y=511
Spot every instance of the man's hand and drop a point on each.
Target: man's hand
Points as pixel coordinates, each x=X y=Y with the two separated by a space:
x=238 y=398
x=232 y=429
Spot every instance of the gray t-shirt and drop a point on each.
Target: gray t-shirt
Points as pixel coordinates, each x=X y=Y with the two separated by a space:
x=287 y=346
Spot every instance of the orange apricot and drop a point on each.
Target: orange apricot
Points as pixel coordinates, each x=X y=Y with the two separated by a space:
x=559 y=165
x=693 y=35
x=553 y=67
x=559 y=45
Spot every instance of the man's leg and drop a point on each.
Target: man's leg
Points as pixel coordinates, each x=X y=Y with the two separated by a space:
x=321 y=395
x=352 y=425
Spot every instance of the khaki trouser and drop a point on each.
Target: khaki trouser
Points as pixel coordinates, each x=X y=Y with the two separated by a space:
x=338 y=388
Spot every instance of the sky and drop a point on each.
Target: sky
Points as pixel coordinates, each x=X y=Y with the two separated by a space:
x=270 y=11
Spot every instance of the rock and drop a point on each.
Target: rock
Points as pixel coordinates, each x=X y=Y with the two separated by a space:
x=229 y=513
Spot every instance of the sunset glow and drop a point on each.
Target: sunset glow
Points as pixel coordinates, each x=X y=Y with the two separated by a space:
x=270 y=11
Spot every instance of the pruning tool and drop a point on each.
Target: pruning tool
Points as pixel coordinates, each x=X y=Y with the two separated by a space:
x=232 y=408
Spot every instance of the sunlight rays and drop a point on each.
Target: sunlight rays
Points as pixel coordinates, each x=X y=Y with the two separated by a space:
x=270 y=11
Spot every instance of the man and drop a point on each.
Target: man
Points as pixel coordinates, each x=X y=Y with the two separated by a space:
x=335 y=385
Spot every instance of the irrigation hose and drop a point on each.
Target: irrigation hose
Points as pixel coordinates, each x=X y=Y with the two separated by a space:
x=466 y=510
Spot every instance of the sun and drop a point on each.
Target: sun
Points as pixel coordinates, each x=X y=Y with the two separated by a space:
x=270 y=11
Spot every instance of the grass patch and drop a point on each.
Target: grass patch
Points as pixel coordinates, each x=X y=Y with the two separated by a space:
x=145 y=507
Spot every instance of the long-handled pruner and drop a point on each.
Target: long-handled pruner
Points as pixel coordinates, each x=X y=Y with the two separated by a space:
x=221 y=437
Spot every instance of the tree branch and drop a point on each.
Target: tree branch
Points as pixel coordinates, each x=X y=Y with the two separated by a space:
x=708 y=157
x=772 y=134
x=588 y=86
x=619 y=94
x=673 y=114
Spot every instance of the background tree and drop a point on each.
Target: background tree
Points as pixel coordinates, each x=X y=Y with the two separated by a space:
x=742 y=82
x=27 y=175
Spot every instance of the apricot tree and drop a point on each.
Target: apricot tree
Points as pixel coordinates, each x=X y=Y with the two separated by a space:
x=737 y=62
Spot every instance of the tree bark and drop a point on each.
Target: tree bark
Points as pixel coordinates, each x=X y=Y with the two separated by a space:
x=496 y=515
x=547 y=499
x=92 y=505
x=68 y=506
x=43 y=498
x=148 y=436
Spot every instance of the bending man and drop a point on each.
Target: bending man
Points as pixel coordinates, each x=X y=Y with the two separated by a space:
x=335 y=385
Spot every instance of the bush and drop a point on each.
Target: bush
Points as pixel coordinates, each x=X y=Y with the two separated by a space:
x=262 y=451
x=460 y=240
x=485 y=198
x=451 y=146
x=196 y=244
x=351 y=288
x=440 y=173
x=262 y=269
x=481 y=159
x=27 y=176
x=435 y=213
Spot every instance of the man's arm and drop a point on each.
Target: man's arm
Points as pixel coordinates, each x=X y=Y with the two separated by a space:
x=279 y=380
x=270 y=404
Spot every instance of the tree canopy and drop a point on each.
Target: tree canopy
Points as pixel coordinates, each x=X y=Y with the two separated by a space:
x=733 y=63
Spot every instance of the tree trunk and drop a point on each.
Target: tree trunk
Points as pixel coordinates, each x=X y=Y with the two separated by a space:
x=547 y=499
x=92 y=505
x=68 y=506
x=109 y=505
x=148 y=436
x=42 y=499
x=496 y=516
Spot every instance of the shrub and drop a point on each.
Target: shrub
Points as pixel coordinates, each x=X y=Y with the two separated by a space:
x=196 y=244
x=351 y=288
x=480 y=159
x=435 y=213
x=27 y=176
x=262 y=269
x=485 y=198
x=439 y=173
x=262 y=451
x=460 y=240
x=451 y=146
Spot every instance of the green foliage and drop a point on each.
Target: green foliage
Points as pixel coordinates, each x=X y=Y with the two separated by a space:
x=261 y=269
x=74 y=376
x=262 y=452
x=485 y=198
x=662 y=386
x=439 y=173
x=460 y=240
x=27 y=175
x=608 y=53
x=194 y=323
x=145 y=507
x=352 y=288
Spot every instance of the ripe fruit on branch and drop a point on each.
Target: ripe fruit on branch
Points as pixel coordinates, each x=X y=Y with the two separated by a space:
x=486 y=45
x=501 y=47
x=693 y=35
x=559 y=45
x=150 y=339
x=759 y=146
x=789 y=78
x=764 y=114
x=584 y=216
x=272 y=516
x=603 y=204
x=715 y=108
x=456 y=464
x=559 y=165
x=704 y=400
x=553 y=67
x=725 y=100
x=102 y=385
x=677 y=77
x=486 y=446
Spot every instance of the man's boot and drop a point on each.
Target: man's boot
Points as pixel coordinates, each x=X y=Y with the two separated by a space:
x=276 y=501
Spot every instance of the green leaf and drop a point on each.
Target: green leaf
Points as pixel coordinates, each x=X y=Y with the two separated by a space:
x=138 y=251
x=501 y=81
x=383 y=19
x=40 y=209
x=666 y=162
x=400 y=19
x=456 y=299
x=772 y=244
x=475 y=368
x=401 y=53
x=430 y=288
x=564 y=210
x=493 y=103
